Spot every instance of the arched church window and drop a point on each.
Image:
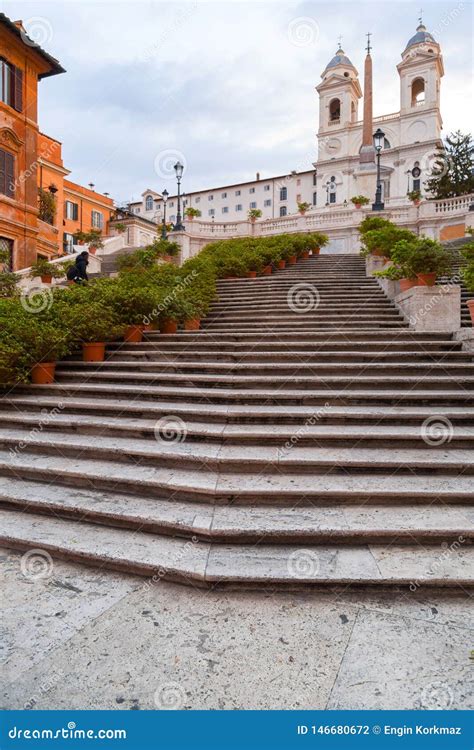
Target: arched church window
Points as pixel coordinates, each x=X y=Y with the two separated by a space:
x=417 y=92
x=335 y=110
x=149 y=203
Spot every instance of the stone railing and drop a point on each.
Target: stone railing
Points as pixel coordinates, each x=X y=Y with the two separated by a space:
x=26 y=283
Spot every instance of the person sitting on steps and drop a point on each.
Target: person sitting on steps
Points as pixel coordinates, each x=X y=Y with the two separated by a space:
x=78 y=273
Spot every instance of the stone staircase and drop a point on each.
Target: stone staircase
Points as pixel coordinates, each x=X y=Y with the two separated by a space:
x=305 y=436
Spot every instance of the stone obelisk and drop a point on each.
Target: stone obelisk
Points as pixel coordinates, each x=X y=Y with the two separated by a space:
x=365 y=173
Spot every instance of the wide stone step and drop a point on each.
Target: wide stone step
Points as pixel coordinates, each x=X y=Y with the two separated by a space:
x=341 y=524
x=237 y=487
x=393 y=396
x=193 y=356
x=50 y=406
x=212 y=455
x=282 y=382
x=277 y=349
x=161 y=557
x=429 y=431
x=291 y=370
x=362 y=334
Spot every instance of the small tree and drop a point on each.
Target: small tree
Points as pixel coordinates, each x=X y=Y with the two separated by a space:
x=452 y=173
x=303 y=207
x=254 y=214
x=47 y=206
x=192 y=212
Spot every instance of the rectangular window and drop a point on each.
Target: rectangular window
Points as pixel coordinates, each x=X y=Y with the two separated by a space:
x=225 y=209
x=210 y=197
x=212 y=211
x=267 y=187
x=68 y=242
x=11 y=85
x=282 y=210
x=332 y=197
x=238 y=207
x=298 y=198
x=253 y=204
x=252 y=190
x=224 y=195
x=237 y=192
x=417 y=184
x=314 y=179
x=198 y=199
x=137 y=210
x=97 y=220
x=71 y=210
x=267 y=203
x=7 y=174
x=314 y=199
x=171 y=204
x=283 y=194
x=298 y=182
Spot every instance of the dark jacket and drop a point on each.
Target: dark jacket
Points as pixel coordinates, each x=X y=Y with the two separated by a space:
x=78 y=270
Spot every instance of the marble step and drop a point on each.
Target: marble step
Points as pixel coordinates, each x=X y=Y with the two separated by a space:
x=48 y=407
x=122 y=425
x=341 y=524
x=348 y=396
x=225 y=457
x=290 y=369
x=389 y=335
x=191 y=482
x=308 y=382
x=199 y=563
x=284 y=359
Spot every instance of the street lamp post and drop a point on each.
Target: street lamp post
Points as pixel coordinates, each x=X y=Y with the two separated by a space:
x=164 y=197
x=178 y=168
x=379 y=137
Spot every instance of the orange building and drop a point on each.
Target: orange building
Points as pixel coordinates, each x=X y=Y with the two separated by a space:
x=39 y=209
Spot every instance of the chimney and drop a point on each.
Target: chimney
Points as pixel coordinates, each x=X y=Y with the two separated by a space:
x=257 y=176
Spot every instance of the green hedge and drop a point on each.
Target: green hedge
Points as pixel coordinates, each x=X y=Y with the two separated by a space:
x=55 y=322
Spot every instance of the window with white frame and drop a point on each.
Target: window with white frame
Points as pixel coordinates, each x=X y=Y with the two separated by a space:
x=212 y=212
x=237 y=192
x=252 y=190
x=210 y=197
x=266 y=187
x=97 y=220
x=225 y=209
x=267 y=203
x=238 y=207
x=283 y=194
x=197 y=199
x=149 y=203
x=224 y=195
x=283 y=211
x=253 y=204
x=68 y=242
x=71 y=210
x=314 y=199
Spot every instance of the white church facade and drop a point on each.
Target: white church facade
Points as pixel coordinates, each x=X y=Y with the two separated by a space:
x=346 y=163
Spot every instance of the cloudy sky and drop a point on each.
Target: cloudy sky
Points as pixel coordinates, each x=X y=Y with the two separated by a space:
x=227 y=86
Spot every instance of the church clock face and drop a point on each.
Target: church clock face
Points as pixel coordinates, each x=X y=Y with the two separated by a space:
x=333 y=145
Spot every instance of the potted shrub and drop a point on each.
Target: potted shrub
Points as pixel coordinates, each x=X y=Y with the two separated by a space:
x=415 y=197
x=46 y=270
x=398 y=273
x=79 y=238
x=165 y=249
x=320 y=240
x=303 y=207
x=133 y=302
x=254 y=214
x=91 y=325
x=359 y=201
x=120 y=228
x=192 y=213
x=43 y=343
x=428 y=260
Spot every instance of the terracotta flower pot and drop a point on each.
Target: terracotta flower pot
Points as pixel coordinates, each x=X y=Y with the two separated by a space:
x=470 y=304
x=378 y=253
x=316 y=250
x=92 y=250
x=292 y=260
x=281 y=264
x=267 y=271
x=46 y=278
x=251 y=274
x=426 y=279
x=168 y=326
x=305 y=255
x=416 y=203
x=358 y=205
x=150 y=327
x=133 y=334
x=167 y=258
x=43 y=373
x=406 y=284
x=193 y=324
x=93 y=352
